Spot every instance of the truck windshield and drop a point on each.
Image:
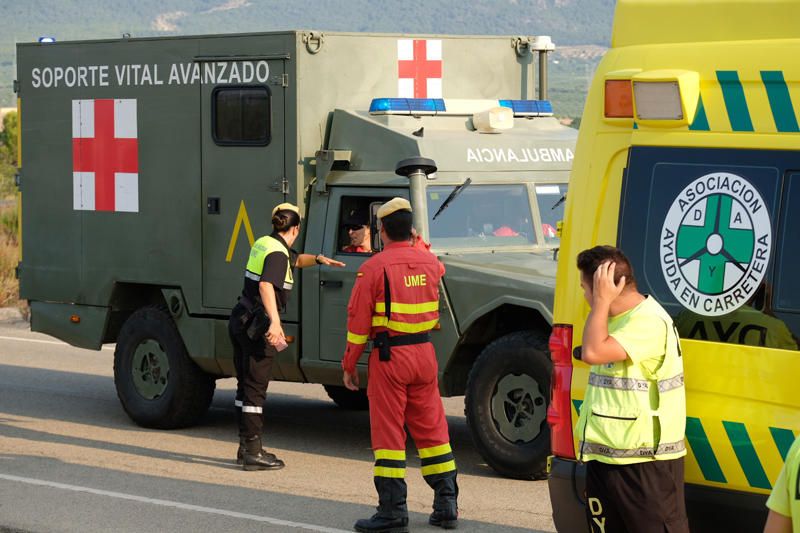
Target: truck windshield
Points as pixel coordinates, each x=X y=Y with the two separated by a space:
x=483 y=216
x=551 y=208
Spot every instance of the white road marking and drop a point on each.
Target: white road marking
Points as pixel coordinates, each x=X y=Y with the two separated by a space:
x=40 y=341
x=168 y=503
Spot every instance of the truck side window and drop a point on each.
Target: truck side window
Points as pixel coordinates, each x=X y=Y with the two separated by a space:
x=241 y=116
x=786 y=301
x=355 y=233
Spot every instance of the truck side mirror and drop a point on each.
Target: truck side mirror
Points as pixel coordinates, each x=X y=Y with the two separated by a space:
x=375 y=226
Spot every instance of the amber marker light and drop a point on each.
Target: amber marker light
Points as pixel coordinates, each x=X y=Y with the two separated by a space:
x=75 y=319
x=618 y=99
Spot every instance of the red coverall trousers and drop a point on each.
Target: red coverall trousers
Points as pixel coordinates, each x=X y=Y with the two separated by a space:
x=405 y=389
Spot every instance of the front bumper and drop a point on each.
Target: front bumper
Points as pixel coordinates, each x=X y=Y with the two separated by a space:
x=567 y=482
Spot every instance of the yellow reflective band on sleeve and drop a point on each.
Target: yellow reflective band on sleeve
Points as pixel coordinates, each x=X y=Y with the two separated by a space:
x=394 y=455
x=449 y=466
x=408 y=309
x=442 y=449
x=357 y=339
x=385 y=471
x=403 y=327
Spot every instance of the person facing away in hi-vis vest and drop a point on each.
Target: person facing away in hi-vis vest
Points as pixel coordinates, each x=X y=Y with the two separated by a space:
x=784 y=502
x=633 y=417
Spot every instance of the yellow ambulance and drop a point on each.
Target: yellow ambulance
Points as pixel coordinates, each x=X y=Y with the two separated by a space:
x=688 y=159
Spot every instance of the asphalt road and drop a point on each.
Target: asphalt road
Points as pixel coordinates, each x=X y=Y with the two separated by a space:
x=71 y=459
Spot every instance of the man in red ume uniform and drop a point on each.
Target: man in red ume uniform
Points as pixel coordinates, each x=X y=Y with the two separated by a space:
x=395 y=302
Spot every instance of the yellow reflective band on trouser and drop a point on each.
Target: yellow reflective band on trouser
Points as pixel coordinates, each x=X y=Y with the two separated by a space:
x=386 y=471
x=403 y=327
x=442 y=449
x=408 y=309
x=394 y=455
x=357 y=339
x=439 y=468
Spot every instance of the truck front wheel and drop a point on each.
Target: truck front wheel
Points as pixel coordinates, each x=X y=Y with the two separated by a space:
x=506 y=404
x=158 y=384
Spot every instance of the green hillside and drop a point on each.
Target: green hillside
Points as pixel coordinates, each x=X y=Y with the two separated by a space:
x=569 y=22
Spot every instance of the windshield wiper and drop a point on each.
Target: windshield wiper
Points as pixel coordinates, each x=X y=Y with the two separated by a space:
x=452 y=196
x=560 y=201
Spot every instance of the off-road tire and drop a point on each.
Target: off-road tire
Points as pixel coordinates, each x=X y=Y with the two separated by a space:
x=187 y=390
x=348 y=399
x=517 y=356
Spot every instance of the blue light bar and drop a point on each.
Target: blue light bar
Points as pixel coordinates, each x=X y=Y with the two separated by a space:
x=529 y=108
x=47 y=39
x=408 y=106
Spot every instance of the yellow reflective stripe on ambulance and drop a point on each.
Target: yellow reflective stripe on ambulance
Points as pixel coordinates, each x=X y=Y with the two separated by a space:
x=408 y=309
x=749 y=455
x=403 y=327
x=729 y=103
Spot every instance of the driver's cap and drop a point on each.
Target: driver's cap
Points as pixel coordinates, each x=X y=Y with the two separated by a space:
x=393 y=205
x=286 y=207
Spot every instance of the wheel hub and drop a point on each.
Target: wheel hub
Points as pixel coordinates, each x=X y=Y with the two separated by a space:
x=518 y=408
x=150 y=369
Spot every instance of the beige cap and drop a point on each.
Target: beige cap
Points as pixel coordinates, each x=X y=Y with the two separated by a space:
x=287 y=207
x=395 y=204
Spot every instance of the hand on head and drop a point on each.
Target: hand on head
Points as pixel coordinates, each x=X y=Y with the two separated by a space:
x=603 y=287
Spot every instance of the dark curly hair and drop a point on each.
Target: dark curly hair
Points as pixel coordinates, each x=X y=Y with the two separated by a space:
x=589 y=260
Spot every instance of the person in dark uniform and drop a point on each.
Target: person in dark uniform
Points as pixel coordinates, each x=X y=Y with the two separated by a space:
x=395 y=302
x=255 y=327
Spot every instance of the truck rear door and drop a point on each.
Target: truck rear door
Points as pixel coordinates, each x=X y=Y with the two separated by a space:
x=242 y=139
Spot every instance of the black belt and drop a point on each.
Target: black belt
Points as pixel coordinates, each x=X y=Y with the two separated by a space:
x=384 y=343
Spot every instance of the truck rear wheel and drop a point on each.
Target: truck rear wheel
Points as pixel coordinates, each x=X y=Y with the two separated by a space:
x=348 y=399
x=157 y=383
x=506 y=404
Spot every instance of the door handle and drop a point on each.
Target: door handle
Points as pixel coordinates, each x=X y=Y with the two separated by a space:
x=213 y=205
x=330 y=284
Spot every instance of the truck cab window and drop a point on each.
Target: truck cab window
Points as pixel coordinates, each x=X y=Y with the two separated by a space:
x=241 y=116
x=355 y=232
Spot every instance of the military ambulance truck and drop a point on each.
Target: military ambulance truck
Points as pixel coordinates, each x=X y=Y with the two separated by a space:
x=149 y=166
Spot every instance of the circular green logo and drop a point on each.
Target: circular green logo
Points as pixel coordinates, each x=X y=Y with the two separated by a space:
x=715 y=244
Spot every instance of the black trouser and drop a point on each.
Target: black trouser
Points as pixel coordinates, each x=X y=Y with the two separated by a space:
x=636 y=498
x=253 y=362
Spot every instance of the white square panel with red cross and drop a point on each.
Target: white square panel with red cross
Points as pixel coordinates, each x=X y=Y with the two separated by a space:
x=105 y=155
x=419 y=68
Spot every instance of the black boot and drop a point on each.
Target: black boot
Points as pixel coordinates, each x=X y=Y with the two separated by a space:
x=445 y=500
x=240 y=453
x=253 y=459
x=382 y=524
x=392 y=515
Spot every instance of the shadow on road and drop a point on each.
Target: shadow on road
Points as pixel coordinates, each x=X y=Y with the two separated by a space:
x=292 y=422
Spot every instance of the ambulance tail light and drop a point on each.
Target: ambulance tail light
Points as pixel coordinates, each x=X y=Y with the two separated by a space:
x=559 y=413
x=657 y=100
x=666 y=98
x=618 y=99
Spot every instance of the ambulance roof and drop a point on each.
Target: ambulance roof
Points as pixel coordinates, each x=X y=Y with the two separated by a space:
x=680 y=21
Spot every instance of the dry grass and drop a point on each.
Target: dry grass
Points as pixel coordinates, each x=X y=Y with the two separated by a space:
x=9 y=256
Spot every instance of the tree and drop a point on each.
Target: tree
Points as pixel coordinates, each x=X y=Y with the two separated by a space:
x=8 y=138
